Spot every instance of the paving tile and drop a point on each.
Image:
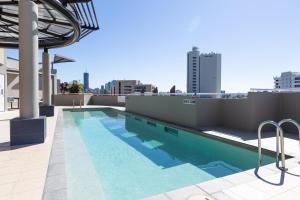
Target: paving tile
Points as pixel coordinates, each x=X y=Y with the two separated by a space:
x=239 y=178
x=263 y=171
x=56 y=169
x=221 y=196
x=56 y=195
x=275 y=184
x=7 y=197
x=9 y=178
x=29 y=195
x=10 y=170
x=184 y=193
x=57 y=159
x=27 y=185
x=6 y=189
x=296 y=189
x=215 y=185
x=246 y=192
x=289 y=195
x=55 y=183
x=157 y=197
x=33 y=174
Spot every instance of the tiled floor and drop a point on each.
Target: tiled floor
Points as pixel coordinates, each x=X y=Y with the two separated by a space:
x=23 y=168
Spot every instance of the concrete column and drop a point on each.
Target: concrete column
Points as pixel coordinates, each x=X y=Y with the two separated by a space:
x=55 y=84
x=28 y=52
x=47 y=91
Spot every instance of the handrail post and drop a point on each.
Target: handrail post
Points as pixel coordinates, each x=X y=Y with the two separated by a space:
x=279 y=136
x=292 y=122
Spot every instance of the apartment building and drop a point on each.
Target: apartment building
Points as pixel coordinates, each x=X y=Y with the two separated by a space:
x=287 y=80
x=143 y=88
x=9 y=80
x=128 y=87
x=123 y=86
x=203 y=72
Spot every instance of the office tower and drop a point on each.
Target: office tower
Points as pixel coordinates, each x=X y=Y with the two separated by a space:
x=86 y=82
x=203 y=72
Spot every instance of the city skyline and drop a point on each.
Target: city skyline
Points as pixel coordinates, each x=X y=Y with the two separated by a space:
x=243 y=32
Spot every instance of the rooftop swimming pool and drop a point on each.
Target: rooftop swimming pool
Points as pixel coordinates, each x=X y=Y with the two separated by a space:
x=115 y=155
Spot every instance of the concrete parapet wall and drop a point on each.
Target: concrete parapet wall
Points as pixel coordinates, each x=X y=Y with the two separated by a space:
x=87 y=99
x=242 y=114
x=67 y=99
x=167 y=108
x=106 y=101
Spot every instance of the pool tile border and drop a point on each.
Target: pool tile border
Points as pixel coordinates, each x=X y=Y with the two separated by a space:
x=56 y=181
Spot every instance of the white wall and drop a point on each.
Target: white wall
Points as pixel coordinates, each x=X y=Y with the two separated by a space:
x=3 y=90
x=210 y=73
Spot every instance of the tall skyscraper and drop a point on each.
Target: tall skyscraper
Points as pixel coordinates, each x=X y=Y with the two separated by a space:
x=86 y=82
x=203 y=72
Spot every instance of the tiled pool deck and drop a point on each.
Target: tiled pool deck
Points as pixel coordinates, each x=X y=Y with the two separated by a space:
x=23 y=169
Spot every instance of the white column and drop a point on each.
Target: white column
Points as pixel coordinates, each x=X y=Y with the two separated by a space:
x=28 y=52
x=47 y=86
x=55 y=84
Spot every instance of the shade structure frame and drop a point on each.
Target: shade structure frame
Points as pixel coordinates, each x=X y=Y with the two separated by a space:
x=59 y=18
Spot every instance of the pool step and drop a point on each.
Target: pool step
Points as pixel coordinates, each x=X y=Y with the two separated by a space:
x=171 y=131
x=151 y=123
x=138 y=119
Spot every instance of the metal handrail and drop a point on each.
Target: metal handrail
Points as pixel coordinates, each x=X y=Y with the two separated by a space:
x=73 y=103
x=279 y=135
x=284 y=121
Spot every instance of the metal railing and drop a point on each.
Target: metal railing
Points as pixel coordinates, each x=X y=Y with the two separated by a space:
x=291 y=121
x=279 y=136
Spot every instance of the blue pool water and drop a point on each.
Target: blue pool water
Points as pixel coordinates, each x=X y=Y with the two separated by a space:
x=115 y=155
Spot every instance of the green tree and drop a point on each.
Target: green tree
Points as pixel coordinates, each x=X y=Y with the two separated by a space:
x=75 y=87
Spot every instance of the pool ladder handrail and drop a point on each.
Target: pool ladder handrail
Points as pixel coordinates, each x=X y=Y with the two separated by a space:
x=279 y=133
x=80 y=102
x=279 y=136
x=73 y=103
x=291 y=121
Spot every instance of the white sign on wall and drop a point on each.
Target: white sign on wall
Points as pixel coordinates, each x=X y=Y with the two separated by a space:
x=121 y=99
x=189 y=101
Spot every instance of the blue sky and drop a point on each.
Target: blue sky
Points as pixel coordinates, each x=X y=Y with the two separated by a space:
x=148 y=40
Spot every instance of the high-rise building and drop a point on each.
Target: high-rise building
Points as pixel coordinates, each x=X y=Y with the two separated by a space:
x=86 y=82
x=287 y=80
x=123 y=86
x=203 y=72
x=142 y=88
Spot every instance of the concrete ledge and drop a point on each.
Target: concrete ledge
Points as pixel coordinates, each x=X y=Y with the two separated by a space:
x=27 y=131
x=47 y=111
